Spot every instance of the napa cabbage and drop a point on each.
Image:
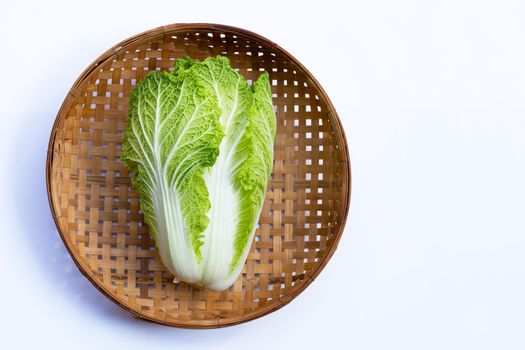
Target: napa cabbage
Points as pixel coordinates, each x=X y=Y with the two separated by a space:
x=199 y=146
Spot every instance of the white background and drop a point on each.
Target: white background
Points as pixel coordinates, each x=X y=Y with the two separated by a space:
x=432 y=98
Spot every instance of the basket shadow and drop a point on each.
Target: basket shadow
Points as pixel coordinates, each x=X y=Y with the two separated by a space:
x=39 y=234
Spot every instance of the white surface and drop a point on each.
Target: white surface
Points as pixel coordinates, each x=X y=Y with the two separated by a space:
x=432 y=97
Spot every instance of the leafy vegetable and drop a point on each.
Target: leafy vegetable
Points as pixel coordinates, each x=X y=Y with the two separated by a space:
x=199 y=144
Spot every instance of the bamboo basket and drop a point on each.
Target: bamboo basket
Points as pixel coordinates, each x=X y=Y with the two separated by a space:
x=96 y=210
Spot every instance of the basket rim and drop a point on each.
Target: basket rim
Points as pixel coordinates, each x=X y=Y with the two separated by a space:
x=338 y=128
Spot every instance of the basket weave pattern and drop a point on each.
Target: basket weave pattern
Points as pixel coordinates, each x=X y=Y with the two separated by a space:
x=97 y=211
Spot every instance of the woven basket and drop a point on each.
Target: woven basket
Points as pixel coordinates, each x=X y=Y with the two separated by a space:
x=97 y=212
